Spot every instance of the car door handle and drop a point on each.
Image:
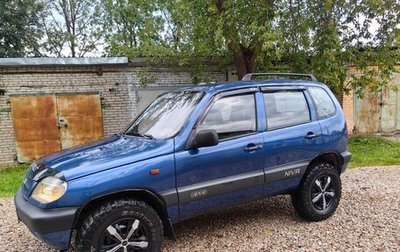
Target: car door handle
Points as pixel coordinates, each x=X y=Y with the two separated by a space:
x=311 y=135
x=253 y=147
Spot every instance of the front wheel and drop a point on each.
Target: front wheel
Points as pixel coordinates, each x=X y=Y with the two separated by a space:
x=319 y=194
x=123 y=225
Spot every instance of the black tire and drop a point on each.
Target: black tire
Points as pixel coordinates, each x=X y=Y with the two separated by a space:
x=121 y=216
x=315 y=186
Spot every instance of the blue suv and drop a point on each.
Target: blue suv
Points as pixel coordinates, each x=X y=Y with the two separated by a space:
x=193 y=150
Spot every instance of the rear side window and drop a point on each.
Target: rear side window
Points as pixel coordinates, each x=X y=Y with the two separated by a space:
x=286 y=108
x=325 y=106
x=231 y=116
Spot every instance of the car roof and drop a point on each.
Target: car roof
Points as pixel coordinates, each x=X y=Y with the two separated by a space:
x=227 y=86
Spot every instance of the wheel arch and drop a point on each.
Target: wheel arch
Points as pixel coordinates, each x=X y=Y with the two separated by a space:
x=149 y=197
x=332 y=158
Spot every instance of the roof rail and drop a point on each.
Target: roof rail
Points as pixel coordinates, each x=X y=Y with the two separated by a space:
x=250 y=76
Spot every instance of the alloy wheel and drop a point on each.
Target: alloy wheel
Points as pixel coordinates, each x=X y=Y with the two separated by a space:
x=322 y=192
x=124 y=235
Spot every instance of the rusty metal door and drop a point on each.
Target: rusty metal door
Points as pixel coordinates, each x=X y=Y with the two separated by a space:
x=49 y=123
x=35 y=126
x=79 y=119
x=367 y=113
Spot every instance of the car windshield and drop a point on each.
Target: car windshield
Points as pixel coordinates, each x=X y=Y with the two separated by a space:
x=165 y=116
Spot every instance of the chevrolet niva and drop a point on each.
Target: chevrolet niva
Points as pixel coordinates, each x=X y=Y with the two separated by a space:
x=191 y=151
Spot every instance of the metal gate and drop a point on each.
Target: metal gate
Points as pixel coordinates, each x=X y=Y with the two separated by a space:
x=377 y=112
x=48 y=123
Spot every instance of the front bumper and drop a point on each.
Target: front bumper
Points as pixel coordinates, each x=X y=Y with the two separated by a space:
x=52 y=226
x=346 y=159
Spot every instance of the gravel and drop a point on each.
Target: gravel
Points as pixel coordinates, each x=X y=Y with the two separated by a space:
x=368 y=219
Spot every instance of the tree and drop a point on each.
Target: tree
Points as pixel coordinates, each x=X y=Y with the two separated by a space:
x=246 y=36
x=327 y=54
x=241 y=30
x=371 y=44
x=317 y=36
x=74 y=26
x=134 y=28
x=325 y=37
x=20 y=29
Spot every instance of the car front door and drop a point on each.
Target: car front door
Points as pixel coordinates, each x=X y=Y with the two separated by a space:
x=293 y=137
x=229 y=172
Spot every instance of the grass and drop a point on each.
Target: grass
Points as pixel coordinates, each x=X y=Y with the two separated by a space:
x=11 y=179
x=373 y=150
x=366 y=150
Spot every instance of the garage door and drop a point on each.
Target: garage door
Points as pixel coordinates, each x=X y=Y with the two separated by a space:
x=145 y=97
x=79 y=119
x=49 y=123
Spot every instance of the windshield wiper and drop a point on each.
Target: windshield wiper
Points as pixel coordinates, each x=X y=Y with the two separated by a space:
x=148 y=136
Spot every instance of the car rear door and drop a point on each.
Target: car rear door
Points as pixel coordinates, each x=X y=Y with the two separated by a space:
x=292 y=139
x=230 y=172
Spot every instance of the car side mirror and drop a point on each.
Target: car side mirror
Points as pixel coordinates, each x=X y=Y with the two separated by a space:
x=204 y=138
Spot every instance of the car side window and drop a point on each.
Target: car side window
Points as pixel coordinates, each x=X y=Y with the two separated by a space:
x=286 y=108
x=231 y=116
x=323 y=102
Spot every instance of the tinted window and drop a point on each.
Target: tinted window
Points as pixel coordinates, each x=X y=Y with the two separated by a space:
x=323 y=102
x=166 y=115
x=286 y=108
x=231 y=116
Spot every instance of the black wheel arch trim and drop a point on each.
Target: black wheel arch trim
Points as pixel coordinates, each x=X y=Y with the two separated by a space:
x=341 y=162
x=160 y=207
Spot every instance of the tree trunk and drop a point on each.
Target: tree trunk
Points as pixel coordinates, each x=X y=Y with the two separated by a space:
x=245 y=62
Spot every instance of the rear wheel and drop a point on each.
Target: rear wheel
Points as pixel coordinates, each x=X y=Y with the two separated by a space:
x=318 y=196
x=121 y=226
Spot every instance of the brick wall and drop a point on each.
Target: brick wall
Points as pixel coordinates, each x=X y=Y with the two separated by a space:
x=116 y=85
x=348 y=109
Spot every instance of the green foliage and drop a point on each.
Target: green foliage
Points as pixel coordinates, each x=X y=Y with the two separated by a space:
x=325 y=37
x=327 y=60
x=317 y=36
x=372 y=151
x=133 y=28
x=379 y=49
x=145 y=78
x=11 y=179
x=322 y=37
x=20 y=27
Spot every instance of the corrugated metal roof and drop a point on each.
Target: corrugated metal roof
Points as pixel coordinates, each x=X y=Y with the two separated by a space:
x=62 y=61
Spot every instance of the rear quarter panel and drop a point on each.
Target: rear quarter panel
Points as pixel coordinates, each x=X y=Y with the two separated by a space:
x=334 y=129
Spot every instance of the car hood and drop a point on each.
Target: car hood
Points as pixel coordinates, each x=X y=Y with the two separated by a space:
x=115 y=151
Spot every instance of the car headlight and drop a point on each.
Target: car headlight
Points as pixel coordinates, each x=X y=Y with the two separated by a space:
x=49 y=189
